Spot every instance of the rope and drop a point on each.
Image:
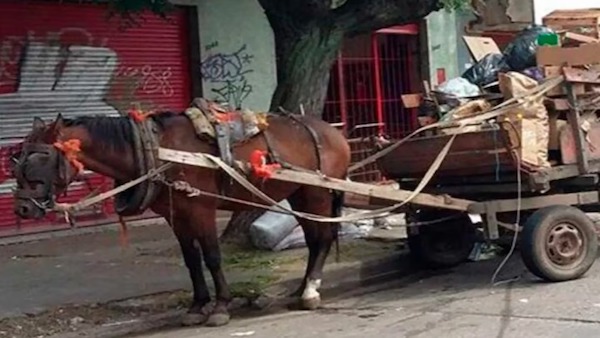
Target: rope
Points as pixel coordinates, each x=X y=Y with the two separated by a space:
x=195 y=192
x=516 y=232
x=86 y=202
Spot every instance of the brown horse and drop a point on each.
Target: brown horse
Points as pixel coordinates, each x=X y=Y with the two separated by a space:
x=42 y=172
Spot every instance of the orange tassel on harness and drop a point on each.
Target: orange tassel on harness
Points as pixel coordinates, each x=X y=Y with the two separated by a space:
x=259 y=164
x=138 y=115
x=71 y=148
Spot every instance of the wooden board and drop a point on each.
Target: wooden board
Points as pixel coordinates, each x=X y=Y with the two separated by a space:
x=580 y=21
x=572 y=56
x=553 y=71
x=568 y=146
x=292 y=176
x=578 y=75
x=481 y=46
x=580 y=38
x=473 y=153
x=412 y=100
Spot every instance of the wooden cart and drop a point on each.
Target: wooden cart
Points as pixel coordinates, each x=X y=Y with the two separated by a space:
x=558 y=241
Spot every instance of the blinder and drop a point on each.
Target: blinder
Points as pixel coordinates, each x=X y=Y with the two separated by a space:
x=36 y=181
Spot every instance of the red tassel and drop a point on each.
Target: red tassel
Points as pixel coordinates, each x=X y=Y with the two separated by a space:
x=259 y=164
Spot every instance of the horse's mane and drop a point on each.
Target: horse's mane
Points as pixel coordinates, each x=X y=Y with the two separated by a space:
x=112 y=132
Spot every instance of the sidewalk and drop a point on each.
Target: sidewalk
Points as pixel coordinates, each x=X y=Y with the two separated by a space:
x=90 y=269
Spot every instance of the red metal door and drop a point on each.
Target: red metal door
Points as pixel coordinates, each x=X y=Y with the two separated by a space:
x=369 y=77
x=68 y=57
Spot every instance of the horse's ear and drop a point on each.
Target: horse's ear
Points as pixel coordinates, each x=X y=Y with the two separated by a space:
x=59 y=123
x=38 y=123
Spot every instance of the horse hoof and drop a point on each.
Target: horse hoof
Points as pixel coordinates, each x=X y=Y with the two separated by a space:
x=311 y=303
x=218 y=319
x=191 y=319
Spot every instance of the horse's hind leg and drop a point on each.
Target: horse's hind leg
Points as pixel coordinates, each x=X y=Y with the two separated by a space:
x=319 y=238
x=198 y=312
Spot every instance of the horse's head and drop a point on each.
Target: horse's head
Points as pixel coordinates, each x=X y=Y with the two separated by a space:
x=41 y=169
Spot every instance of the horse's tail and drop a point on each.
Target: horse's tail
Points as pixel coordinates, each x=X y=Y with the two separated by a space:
x=337 y=205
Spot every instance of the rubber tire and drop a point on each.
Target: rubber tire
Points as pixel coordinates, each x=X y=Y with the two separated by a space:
x=459 y=230
x=533 y=241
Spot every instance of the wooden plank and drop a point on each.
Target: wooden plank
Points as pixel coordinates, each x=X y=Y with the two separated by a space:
x=412 y=100
x=481 y=46
x=570 y=14
x=561 y=172
x=553 y=71
x=478 y=152
x=574 y=119
x=581 y=75
x=538 y=202
x=559 y=104
x=573 y=56
x=569 y=149
x=312 y=179
x=580 y=38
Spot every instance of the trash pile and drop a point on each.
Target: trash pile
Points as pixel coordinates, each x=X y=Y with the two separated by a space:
x=564 y=46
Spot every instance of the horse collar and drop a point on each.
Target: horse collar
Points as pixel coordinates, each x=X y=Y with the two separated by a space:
x=145 y=148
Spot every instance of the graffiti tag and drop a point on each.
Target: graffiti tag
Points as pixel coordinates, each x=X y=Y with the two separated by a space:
x=11 y=48
x=150 y=80
x=229 y=71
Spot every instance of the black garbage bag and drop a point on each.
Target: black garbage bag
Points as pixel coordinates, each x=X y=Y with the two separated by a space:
x=486 y=70
x=520 y=53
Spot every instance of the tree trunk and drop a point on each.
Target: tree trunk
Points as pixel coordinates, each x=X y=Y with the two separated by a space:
x=304 y=58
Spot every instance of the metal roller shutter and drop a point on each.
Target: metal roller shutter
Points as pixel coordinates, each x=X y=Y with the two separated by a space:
x=68 y=58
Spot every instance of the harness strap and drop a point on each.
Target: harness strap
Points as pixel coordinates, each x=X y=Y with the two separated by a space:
x=315 y=138
x=150 y=175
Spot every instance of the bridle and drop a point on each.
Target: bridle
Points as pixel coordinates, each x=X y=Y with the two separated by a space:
x=54 y=172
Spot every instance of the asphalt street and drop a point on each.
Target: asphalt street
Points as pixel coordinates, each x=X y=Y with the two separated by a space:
x=459 y=303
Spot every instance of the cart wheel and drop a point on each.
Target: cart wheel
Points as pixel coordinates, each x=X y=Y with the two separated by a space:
x=559 y=243
x=441 y=245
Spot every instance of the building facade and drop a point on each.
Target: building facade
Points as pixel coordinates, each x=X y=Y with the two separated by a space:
x=68 y=57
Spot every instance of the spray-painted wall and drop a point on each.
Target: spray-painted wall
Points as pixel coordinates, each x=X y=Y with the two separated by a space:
x=237 y=51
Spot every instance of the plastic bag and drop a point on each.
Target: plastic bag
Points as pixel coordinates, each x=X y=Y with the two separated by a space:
x=459 y=87
x=486 y=70
x=535 y=73
x=270 y=228
x=520 y=53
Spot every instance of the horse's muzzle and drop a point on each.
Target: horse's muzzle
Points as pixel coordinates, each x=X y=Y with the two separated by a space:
x=28 y=210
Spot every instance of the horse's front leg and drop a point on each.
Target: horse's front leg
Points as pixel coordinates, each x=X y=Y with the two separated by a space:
x=212 y=259
x=198 y=312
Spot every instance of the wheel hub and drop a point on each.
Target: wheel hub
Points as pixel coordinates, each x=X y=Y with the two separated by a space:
x=565 y=244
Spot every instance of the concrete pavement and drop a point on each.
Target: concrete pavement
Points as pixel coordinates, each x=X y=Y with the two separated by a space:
x=88 y=282
x=456 y=304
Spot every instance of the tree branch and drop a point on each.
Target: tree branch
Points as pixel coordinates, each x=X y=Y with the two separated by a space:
x=299 y=10
x=364 y=16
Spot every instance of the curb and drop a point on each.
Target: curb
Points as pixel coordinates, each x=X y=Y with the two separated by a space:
x=82 y=230
x=337 y=281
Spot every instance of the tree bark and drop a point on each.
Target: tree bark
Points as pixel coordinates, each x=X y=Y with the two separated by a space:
x=304 y=59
